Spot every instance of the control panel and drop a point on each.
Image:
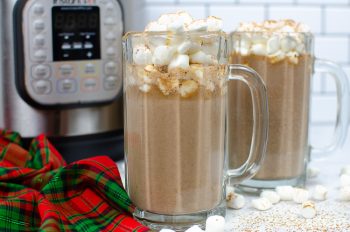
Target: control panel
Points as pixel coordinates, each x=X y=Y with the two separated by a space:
x=71 y=51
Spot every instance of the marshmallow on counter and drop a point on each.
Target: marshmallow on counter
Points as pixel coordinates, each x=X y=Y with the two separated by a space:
x=162 y=55
x=261 y=204
x=345 y=170
x=201 y=58
x=285 y=192
x=180 y=61
x=320 y=193
x=308 y=210
x=142 y=55
x=300 y=195
x=344 y=193
x=215 y=224
x=234 y=200
x=272 y=196
x=194 y=229
x=344 y=180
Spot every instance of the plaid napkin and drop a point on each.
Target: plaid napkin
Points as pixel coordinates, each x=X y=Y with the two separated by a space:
x=39 y=192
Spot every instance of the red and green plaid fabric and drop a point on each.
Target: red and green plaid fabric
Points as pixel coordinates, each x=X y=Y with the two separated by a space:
x=39 y=192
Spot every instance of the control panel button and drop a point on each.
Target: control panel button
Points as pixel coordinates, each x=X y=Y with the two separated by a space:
x=38 y=9
x=66 y=46
x=110 y=6
x=88 y=45
x=111 y=52
x=90 y=84
x=77 y=45
x=40 y=55
x=111 y=83
x=111 y=68
x=110 y=36
x=66 y=70
x=41 y=71
x=67 y=86
x=39 y=40
x=110 y=21
x=90 y=68
x=39 y=25
x=42 y=87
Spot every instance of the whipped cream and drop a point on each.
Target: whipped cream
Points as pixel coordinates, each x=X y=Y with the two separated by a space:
x=278 y=40
x=176 y=60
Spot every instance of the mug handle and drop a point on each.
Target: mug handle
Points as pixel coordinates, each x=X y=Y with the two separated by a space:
x=260 y=122
x=342 y=119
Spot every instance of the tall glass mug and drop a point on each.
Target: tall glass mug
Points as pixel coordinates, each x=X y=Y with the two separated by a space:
x=175 y=111
x=286 y=62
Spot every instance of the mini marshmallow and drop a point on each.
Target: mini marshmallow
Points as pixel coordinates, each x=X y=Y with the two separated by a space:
x=188 y=47
x=261 y=204
x=320 y=193
x=235 y=201
x=201 y=58
x=215 y=224
x=293 y=57
x=344 y=180
x=198 y=25
x=259 y=49
x=155 y=26
x=300 y=195
x=312 y=172
x=277 y=57
x=308 y=210
x=166 y=230
x=272 y=196
x=142 y=55
x=185 y=17
x=145 y=88
x=273 y=45
x=180 y=61
x=194 y=229
x=285 y=192
x=162 y=55
x=345 y=170
x=188 y=88
x=176 y=27
x=344 y=193
x=214 y=23
x=288 y=44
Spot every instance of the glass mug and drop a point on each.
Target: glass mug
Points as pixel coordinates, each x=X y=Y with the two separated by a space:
x=288 y=83
x=175 y=124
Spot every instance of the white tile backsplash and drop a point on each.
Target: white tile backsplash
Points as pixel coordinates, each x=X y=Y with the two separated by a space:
x=328 y=19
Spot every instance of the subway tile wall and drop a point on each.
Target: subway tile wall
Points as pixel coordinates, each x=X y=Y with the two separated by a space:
x=328 y=19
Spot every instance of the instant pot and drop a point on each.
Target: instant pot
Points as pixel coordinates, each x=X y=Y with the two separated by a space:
x=61 y=72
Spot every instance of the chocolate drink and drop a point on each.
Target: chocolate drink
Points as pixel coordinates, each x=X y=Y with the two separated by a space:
x=288 y=88
x=175 y=138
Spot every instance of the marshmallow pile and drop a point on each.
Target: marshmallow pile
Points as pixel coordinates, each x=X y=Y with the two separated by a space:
x=278 y=40
x=213 y=224
x=175 y=60
x=344 y=192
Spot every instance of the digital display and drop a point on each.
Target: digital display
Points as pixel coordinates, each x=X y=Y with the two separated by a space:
x=76 y=33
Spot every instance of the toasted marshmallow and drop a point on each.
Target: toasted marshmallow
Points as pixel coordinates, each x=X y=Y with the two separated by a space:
x=234 y=200
x=293 y=57
x=308 y=210
x=320 y=193
x=188 y=88
x=272 y=196
x=300 y=195
x=261 y=204
x=215 y=224
x=194 y=229
x=168 y=86
x=198 y=25
x=145 y=88
x=344 y=180
x=277 y=57
x=344 y=193
x=180 y=61
x=162 y=55
x=142 y=55
x=285 y=192
x=259 y=49
x=201 y=58
x=214 y=23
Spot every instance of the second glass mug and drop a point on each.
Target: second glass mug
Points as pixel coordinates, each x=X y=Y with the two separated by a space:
x=175 y=125
x=288 y=83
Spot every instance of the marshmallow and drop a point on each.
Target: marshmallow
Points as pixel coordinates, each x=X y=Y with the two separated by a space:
x=277 y=57
x=185 y=17
x=308 y=210
x=215 y=224
x=344 y=180
x=162 y=55
x=188 y=47
x=166 y=230
x=272 y=196
x=155 y=26
x=344 y=193
x=300 y=195
x=320 y=193
x=188 y=88
x=142 y=55
x=145 y=88
x=288 y=44
x=285 y=192
x=194 y=229
x=312 y=172
x=261 y=204
x=214 y=23
x=201 y=58
x=293 y=57
x=168 y=86
x=235 y=201
x=180 y=61
x=198 y=25
x=259 y=49
x=176 y=27
x=345 y=170
x=273 y=45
